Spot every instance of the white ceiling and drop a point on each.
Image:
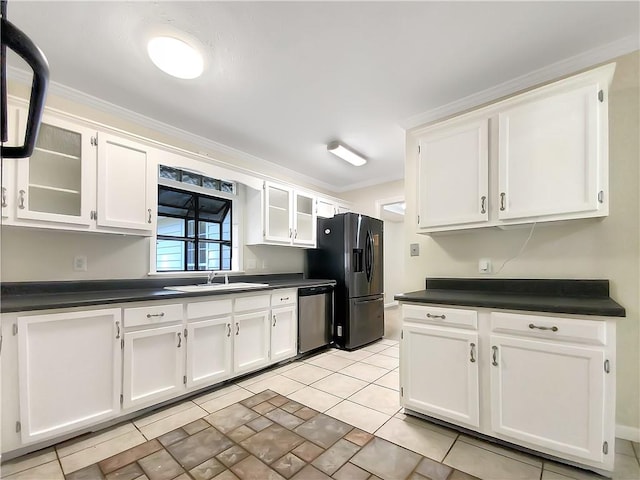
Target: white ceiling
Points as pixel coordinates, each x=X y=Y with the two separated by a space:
x=283 y=79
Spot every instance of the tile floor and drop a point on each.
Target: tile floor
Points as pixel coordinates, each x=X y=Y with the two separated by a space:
x=334 y=415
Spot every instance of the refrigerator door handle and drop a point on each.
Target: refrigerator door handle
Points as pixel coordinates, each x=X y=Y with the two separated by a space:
x=369 y=256
x=360 y=302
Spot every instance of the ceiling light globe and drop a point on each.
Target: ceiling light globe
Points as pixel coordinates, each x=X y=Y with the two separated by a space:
x=175 y=57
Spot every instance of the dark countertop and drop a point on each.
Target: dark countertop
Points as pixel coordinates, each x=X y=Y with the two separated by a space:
x=578 y=297
x=29 y=296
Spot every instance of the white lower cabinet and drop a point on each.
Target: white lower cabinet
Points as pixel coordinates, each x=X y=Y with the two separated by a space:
x=284 y=331
x=549 y=395
x=251 y=341
x=69 y=371
x=153 y=365
x=548 y=381
x=450 y=390
x=208 y=351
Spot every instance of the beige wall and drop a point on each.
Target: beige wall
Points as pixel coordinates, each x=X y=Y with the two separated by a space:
x=607 y=248
x=364 y=200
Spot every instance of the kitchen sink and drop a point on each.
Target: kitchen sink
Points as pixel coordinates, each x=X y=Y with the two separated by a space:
x=215 y=287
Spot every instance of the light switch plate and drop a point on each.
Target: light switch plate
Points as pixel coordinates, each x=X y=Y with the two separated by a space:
x=414 y=249
x=80 y=263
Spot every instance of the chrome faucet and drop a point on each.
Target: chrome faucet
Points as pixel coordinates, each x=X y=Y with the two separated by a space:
x=213 y=274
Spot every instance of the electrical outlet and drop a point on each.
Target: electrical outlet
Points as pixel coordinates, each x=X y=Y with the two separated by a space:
x=484 y=265
x=80 y=263
x=414 y=249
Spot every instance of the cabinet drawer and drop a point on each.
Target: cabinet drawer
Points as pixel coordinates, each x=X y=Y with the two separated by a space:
x=284 y=297
x=453 y=317
x=209 y=308
x=565 y=329
x=254 y=302
x=151 y=314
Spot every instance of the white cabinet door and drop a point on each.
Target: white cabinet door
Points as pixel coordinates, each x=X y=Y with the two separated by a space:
x=453 y=175
x=208 y=351
x=153 y=365
x=439 y=373
x=55 y=184
x=124 y=187
x=250 y=341
x=548 y=395
x=549 y=152
x=304 y=220
x=284 y=333
x=325 y=208
x=277 y=214
x=69 y=371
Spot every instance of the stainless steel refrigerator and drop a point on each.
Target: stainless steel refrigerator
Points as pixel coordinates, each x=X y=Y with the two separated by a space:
x=349 y=251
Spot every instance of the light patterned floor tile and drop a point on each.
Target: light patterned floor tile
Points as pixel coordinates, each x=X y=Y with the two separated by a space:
x=256 y=378
x=164 y=413
x=624 y=447
x=279 y=383
x=447 y=432
x=390 y=380
x=355 y=355
x=98 y=452
x=424 y=441
x=626 y=468
x=383 y=361
x=507 y=452
x=375 y=347
x=550 y=469
x=28 y=461
x=48 y=471
x=85 y=441
x=362 y=417
x=316 y=399
x=339 y=385
x=379 y=398
x=306 y=373
x=487 y=465
x=389 y=342
x=391 y=352
x=331 y=362
x=215 y=394
x=176 y=420
x=224 y=401
x=364 y=371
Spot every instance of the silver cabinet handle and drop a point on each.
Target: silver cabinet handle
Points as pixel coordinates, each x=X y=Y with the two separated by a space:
x=228 y=329
x=553 y=329
x=4 y=197
x=443 y=317
x=179 y=339
x=295 y=233
x=483 y=204
x=21 y=199
x=237 y=328
x=495 y=356
x=473 y=353
x=290 y=233
x=151 y=315
x=149 y=219
x=118 y=329
x=274 y=320
x=502 y=207
x=282 y=299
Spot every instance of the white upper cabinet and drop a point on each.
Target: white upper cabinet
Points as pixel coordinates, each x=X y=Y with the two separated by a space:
x=453 y=175
x=55 y=184
x=125 y=195
x=549 y=155
x=280 y=215
x=538 y=156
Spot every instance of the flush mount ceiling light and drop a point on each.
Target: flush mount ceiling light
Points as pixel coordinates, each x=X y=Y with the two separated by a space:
x=175 y=57
x=346 y=154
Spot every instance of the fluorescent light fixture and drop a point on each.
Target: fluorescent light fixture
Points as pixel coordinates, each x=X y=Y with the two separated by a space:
x=175 y=57
x=344 y=153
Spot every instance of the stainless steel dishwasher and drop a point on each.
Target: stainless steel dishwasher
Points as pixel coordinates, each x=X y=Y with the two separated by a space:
x=315 y=317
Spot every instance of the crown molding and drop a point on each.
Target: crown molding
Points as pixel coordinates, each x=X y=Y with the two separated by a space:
x=545 y=74
x=370 y=183
x=85 y=99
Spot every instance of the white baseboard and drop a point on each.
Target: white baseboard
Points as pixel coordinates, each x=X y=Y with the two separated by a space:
x=628 y=433
x=392 y=304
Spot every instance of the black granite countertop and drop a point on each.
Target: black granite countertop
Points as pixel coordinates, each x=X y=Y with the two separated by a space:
x=579 y=297
x=27 y=296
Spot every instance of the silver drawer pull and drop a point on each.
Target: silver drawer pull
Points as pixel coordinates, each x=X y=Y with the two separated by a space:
x=282 y=299
x=237 y=328
x=473 y=353
x=495 y=356
x=443 y=317
x=179 y=339
x=553 y=329
x=151 y=315
x=228 y=329
x=118 y=327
